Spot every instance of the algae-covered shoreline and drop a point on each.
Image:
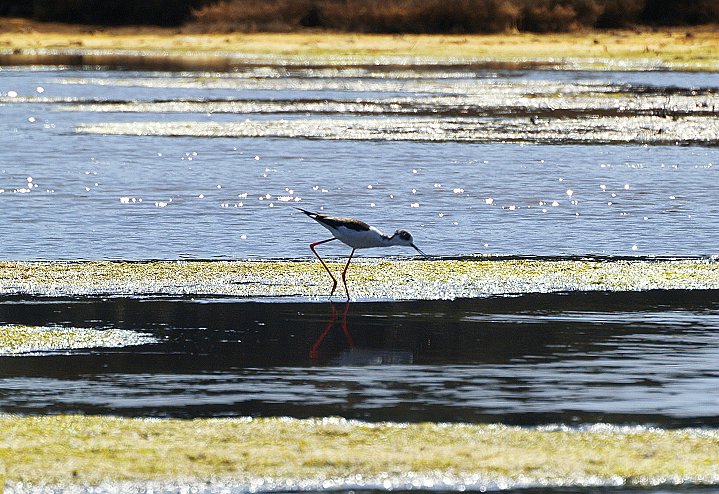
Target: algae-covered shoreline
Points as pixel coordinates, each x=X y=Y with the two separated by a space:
x=368 y=279
x=281 y=453
x=22 y=340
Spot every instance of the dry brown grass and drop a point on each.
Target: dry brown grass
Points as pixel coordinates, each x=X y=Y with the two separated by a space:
x=430 y=16
x=251 y=16
x=372 y=16
x=446 y=16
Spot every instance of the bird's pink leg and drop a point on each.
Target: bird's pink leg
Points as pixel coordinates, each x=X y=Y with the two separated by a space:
x=344 y=273
x=312 y=248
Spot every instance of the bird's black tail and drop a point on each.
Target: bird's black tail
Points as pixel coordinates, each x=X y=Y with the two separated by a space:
x=311 y=214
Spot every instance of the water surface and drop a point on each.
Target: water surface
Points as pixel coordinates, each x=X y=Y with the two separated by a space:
x=551 y=176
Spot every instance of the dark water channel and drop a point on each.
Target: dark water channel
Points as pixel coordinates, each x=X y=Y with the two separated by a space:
x=625 y=358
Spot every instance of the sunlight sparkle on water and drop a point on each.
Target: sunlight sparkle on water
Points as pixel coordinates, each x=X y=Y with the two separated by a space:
x=128 y=200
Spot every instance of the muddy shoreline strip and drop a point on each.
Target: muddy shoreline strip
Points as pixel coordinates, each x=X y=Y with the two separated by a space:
x=246 y=454
x=369 y=279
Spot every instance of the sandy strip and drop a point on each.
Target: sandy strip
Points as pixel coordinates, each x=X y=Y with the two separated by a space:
x=693 y=49
x=375 y=279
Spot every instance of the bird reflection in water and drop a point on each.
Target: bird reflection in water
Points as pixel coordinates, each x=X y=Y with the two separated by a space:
x=354 y=355
x=314 y=351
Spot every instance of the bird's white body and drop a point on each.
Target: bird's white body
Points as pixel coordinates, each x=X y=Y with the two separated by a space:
x=364 y=239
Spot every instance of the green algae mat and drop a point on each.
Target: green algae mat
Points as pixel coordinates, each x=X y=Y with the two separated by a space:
x=16 y=339
x=274 y=453
x=369 y=279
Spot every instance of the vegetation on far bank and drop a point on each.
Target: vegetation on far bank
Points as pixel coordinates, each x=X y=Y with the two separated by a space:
x=446 y=16
x=374 y=16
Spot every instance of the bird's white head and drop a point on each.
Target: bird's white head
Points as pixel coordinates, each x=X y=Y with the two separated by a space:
x=403 y=237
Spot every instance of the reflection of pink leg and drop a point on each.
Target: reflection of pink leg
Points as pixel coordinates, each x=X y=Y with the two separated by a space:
x=344 y=273
x=312 y=248
x=314 y=351
x=344 y=326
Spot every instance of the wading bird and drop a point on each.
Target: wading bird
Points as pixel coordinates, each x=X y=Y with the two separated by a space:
x=358 y=235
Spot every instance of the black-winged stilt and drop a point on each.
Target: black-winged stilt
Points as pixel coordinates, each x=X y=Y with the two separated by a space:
x=358 y=235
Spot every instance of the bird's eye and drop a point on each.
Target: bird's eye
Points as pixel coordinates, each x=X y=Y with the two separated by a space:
x=405 y=236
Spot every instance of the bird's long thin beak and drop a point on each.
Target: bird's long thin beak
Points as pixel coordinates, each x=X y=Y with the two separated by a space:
x=418 y=250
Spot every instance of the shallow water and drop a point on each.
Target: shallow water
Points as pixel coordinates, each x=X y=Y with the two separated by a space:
x=457 y=156
x=626 y=358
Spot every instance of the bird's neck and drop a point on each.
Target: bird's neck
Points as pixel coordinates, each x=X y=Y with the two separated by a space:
x=391 y=240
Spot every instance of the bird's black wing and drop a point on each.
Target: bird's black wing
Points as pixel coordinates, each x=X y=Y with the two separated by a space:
x=331 y=221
